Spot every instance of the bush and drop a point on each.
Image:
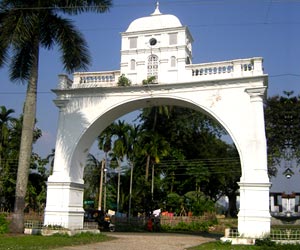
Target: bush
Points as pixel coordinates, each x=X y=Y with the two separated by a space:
x=124 y=81
x=266 y=242
x=3 y=224
x=189 y=227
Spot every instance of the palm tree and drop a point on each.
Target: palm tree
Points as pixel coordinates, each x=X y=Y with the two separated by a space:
x=105 y=143
x=154 y=148
x=5 y=122
x=132 y=152
x=25 y=26
x=120 y=148
x=92 y=177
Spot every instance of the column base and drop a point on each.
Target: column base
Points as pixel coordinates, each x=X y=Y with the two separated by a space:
x=64 y=206
x=254 y=219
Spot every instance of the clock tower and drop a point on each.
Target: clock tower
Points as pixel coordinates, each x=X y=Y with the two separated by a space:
x=156 y=45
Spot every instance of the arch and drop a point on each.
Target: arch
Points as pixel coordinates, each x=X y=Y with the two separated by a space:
x=230 y=91
x=88 y=136
x=84 y=113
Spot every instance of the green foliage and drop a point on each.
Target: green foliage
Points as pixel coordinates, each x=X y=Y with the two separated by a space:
x=10 y=134
x=37 y=242
x=3 y=224
x=150 y=80
x=199 y=208
x=192 y=166
x=23 y=33
x=282 y=118
x=173 y=203
x=199 y=203
x=123 y=81
x=267 y=242
x=193 y=226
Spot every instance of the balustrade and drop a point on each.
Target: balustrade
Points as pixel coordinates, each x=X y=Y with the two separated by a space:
x=205 y=71
x=101 y=79
x=227 y=69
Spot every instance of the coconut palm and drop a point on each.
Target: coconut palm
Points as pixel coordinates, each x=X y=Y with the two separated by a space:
x=92 y=177
x=120 y=148
x=132 y=152
x=154 y=148
x=25 y=27
x=5 y=123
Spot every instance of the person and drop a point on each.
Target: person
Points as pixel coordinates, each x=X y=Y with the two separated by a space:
x=150 y=225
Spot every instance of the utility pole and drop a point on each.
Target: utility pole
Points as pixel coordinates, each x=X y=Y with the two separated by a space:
x=118 y=191
x=152 y=181
x=101 y=185
x=104 y=196
x=130 y=191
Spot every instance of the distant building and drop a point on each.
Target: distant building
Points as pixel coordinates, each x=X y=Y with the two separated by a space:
x=285 y=197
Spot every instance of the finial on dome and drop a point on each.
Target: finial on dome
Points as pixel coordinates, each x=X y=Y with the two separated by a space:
x=156 y=12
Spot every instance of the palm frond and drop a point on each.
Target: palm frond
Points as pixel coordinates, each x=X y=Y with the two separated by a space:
x=79 y=6
x=22 y=62
x=75 y=54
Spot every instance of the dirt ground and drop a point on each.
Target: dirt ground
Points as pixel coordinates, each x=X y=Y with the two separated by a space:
x=146 y=241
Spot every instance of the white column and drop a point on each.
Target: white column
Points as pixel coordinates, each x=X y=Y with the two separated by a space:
x=254 y=217
x=64 y=203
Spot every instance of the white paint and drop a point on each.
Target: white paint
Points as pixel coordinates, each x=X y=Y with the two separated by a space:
x=231 y=92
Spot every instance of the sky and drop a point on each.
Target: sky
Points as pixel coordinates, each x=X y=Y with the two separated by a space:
x=222 y=30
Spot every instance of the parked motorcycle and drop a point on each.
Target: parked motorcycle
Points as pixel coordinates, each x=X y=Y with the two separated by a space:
x=104 y=221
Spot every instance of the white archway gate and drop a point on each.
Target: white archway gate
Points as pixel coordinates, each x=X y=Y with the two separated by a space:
x=92 y=101
x=230 y=91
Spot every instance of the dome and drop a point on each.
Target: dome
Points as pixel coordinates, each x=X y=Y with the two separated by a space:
x=155 y=21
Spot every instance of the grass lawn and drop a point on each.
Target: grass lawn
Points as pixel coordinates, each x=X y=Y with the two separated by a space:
x=226 y=246
x=38 y=242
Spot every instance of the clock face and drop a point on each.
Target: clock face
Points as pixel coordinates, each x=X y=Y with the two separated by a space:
x=152 y=41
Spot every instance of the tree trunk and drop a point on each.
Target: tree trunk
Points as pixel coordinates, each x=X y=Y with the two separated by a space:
x=130 y=191
x=232 y=209
x=147 y=168
x=119 y=183
x=29 y=114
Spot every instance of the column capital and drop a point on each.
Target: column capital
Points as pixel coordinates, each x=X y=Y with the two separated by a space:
x=256 y=94
x=61 y=103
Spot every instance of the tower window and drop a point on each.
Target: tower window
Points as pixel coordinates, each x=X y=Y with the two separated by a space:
x=132 y=64
x=173 y=61
x=132 y=42
x=173 y=38
x=152 y=66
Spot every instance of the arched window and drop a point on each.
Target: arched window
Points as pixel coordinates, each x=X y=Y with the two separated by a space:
x=132 y=64
x=173 y=61
x=152 y=66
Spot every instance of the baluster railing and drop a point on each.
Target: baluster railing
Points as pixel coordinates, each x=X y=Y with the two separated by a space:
x=227 y=69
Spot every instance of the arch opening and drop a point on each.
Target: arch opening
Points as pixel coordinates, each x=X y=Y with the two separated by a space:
x=190 y=161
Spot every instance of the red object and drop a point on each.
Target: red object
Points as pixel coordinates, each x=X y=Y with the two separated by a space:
x=150 y=225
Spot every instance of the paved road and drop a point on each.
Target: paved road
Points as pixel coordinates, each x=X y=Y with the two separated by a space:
x=145 y=241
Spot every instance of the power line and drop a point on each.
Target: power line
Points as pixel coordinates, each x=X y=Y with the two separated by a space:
x=268 y=11
x=178 y=2
x=205 y=2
